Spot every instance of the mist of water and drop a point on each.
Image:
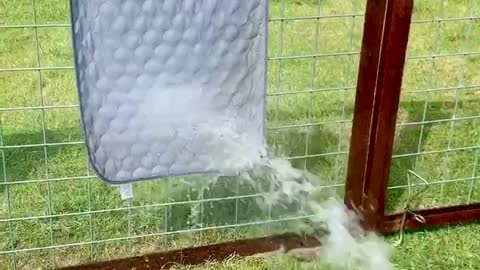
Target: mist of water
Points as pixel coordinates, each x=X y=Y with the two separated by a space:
x=346 y=245
x=232 y=147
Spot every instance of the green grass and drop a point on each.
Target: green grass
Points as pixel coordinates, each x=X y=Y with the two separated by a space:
x=450 y=248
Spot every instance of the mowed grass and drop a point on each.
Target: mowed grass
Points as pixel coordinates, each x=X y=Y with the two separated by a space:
x=310 y=107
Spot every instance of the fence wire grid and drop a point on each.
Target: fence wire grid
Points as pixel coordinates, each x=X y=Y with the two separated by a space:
x=55 y=212
x=438 y=132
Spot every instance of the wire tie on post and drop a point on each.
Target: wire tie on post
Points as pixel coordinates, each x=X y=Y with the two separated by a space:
x=407 y=209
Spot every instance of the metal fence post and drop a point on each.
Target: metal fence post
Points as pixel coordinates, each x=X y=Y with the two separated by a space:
x=387 y=26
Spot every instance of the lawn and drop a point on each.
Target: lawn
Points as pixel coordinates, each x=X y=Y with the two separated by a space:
x=55 y=212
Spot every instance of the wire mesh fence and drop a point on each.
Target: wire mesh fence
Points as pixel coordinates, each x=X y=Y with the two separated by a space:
x=55 y=212
x=438 y=135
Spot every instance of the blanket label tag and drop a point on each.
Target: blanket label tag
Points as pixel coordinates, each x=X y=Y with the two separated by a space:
x=126 y=191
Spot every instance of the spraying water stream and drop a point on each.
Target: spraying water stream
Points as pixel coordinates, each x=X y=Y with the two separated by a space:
x=229 y=143
x=344 y=246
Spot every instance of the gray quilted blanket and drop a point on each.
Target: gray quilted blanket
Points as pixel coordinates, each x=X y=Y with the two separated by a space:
x=171 y=87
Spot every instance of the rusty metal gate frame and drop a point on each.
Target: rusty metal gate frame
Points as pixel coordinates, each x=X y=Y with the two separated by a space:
x=376 y=107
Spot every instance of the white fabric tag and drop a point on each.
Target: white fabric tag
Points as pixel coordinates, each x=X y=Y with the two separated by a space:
x=126 y=191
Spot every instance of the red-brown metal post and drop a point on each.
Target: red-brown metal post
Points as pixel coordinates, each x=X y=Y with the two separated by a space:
x=386 y=30
x=364 y=101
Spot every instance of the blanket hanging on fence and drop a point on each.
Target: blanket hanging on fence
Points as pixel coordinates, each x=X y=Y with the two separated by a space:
x=170 y=87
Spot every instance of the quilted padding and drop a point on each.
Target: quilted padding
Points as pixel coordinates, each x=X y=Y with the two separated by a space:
x=171 y=87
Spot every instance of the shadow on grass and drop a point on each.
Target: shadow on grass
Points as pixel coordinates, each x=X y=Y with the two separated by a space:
x=411 y=139
x=29 y=163
x=20 y=163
